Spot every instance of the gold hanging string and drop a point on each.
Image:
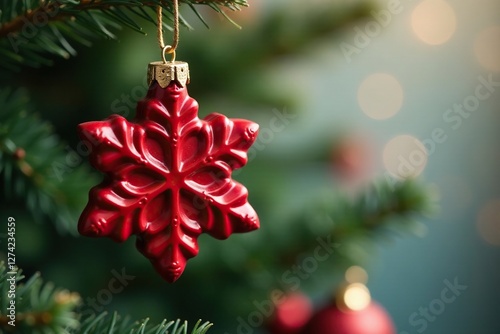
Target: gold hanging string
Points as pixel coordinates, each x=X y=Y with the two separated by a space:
x=168 y=49
x=165 y=72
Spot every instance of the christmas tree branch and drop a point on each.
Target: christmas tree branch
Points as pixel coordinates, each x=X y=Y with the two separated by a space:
x=384 y=208
x=105 y=324
x=37 y=307
x=37 y=168
x=30 y=30
x=33 y=306
x=63 y=10
x=386 y=200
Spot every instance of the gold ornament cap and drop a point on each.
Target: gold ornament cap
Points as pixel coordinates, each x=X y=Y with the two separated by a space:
x=166 y=72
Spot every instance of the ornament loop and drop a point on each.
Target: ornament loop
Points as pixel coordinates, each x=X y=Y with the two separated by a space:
x=175 y=43
x=168 y=49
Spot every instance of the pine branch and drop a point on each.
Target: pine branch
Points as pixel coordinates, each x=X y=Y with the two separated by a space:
x=385 y=202
x=41 y=308
x=105 y=324
x=29 y=30
x=37 y=168
x=65 y=9
x=36 y=307
x=384 y=209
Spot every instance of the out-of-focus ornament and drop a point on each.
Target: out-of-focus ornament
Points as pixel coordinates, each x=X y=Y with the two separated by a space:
x=352 y=311
x=291 y=314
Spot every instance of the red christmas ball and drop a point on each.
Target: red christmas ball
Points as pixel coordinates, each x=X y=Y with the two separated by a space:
x=291 y=314
x=373 y=319
x=351 y=157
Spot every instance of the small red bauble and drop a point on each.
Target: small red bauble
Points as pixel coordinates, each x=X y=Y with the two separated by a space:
x=351 y=157
x=331 y=320
x=168 y=174
x=291 y=314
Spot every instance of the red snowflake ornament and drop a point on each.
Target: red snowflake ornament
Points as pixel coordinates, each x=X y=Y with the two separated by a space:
x=168 y=177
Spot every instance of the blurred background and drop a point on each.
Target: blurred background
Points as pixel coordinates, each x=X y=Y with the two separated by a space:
x=363 y=90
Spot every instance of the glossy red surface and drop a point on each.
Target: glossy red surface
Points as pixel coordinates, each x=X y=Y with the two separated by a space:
x=168 y=178
x=374 y=319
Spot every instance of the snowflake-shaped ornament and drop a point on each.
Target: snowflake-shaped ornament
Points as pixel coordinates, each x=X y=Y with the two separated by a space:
x=168 y=175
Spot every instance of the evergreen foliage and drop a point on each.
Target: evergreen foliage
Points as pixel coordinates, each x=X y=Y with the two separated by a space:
x=31 y=31
x=41 y=308
x=37 y=168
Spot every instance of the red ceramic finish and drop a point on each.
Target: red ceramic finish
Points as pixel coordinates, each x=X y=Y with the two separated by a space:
x=168 y=178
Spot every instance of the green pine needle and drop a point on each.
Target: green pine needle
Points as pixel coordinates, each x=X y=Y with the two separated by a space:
x=30 y=30
x=35 y=167
x=387 y=208
x=41 y=308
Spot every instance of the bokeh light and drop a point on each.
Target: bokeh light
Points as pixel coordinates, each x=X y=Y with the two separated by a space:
x=356 y=274
x=487 y=48
x=488 y=222
x=405 y=156
x=380 y=96
x=434 y=21
x=357 y=297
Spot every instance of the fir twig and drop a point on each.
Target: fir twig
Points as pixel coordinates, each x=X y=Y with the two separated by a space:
x=31 y=29
x=114 y=324
x=386 y=204
x=386 y=207
x=36 y=168
x=66 y=9
x=41 y=308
